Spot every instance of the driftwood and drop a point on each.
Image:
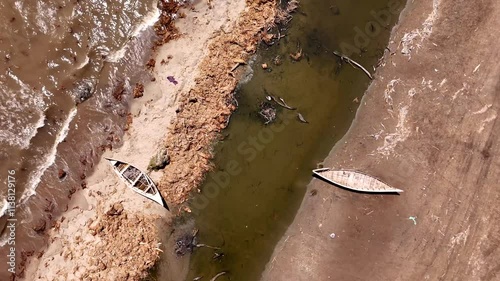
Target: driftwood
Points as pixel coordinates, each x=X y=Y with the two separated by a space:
x=301 y=118
x=286 y=105
x=218 y=256
x=297 y=56
x=280 y=102
x=207 y=246
x=218 y=275
x=353 y=63
x=237 y=62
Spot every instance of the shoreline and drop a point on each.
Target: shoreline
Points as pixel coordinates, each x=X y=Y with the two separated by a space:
x=105 y=205
x=427 y=124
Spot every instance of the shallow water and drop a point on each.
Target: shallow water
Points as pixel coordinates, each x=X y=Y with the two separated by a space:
x=262 y=171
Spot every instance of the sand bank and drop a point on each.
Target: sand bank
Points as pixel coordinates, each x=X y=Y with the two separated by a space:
x=428 y=124
x=111 y=233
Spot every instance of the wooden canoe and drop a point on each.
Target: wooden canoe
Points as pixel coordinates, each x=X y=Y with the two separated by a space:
x=137 y=180
x=355 y=181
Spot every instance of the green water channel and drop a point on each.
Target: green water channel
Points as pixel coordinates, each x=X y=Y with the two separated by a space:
x=262 y=171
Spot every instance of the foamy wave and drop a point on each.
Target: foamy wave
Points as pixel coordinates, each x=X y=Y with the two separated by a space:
x=35 y=177
x=23 y=136
x=4 y=208
x=148 y=20
x=18 y=125
x=118 y=54
x=4 y=239
x=46 y=19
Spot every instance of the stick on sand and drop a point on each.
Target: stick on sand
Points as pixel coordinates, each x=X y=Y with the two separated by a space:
x=353 y=63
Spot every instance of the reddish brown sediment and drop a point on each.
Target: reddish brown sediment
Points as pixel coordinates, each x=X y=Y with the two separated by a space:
x=106 y=246
x=138 y=90
x=165 y=27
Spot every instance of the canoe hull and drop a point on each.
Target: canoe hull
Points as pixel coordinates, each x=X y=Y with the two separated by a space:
x=139 y=178
x=354 y=180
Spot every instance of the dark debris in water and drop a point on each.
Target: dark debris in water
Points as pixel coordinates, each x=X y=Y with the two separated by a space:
x=218 y=256
x=301 y=118
x=267 y=112
x=185 y=244
x=83 y=91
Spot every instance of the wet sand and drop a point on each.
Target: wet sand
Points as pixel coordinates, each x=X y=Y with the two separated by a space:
x=428 y=125
x=106 y=223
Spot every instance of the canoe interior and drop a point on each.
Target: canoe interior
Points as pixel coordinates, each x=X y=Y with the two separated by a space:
x=137 y=180
x=120 y=166
x=144 y=185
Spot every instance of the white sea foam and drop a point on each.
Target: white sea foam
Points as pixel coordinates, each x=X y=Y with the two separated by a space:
x=36 y=176
x=21 y=114
x=117 y=55
x=20 y=137
x=4 y=239
x=147 y=21
x=4 y=208
x=45 y=20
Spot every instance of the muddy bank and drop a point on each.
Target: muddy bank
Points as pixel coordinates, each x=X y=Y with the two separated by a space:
x=428 y=125
x=106 y=223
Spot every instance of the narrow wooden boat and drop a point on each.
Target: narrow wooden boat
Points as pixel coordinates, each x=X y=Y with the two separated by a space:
x=137 y=181
x=354 y=181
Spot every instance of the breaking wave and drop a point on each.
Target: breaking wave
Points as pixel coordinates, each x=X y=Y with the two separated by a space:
x=36 y=176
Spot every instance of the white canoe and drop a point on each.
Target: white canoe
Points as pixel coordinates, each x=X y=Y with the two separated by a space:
x=137 y=181
x=355 y=181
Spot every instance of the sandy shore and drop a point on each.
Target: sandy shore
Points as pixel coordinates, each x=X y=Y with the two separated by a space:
x=111 y=233
x=428 y=124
